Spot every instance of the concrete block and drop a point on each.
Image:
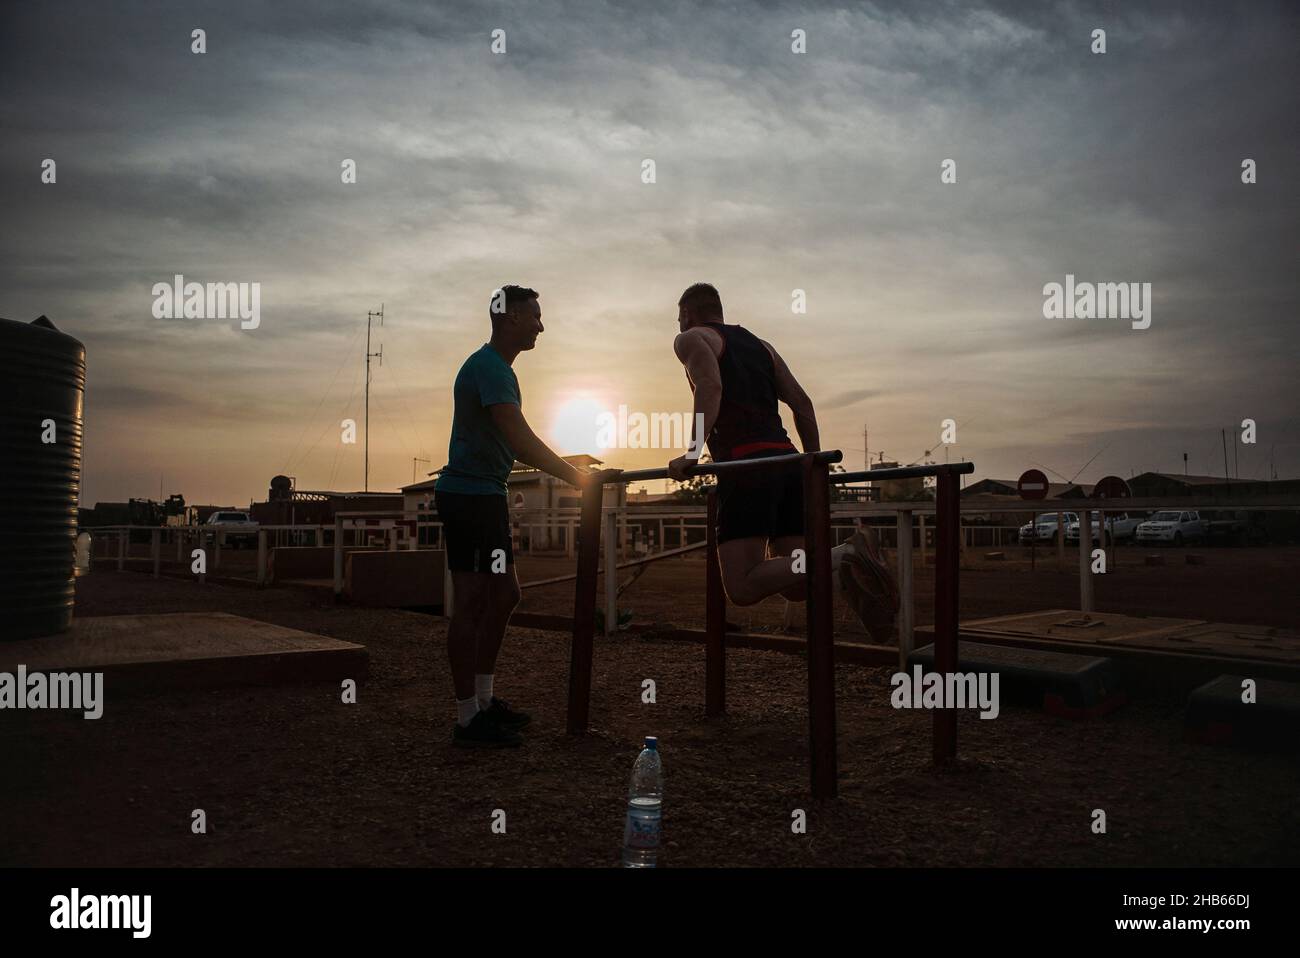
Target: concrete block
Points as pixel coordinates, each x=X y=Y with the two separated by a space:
x=402 y=579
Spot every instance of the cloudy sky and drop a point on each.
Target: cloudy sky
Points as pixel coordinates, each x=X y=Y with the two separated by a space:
x=775 y=171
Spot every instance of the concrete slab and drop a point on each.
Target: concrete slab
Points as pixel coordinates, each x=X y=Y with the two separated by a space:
x=188 y=650
x=1073 y=686
x=1160 y=652
x=1216 y=714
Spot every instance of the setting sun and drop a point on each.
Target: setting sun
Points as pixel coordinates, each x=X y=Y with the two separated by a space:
x=575 y=425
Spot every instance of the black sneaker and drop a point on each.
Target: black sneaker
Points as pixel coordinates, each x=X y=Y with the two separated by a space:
x=502 y=714
x=482 y=732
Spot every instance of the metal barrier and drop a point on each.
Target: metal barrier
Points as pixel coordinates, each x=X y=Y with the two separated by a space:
x=823 y=763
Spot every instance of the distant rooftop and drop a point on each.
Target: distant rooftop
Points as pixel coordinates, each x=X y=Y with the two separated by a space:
x=1194 y=480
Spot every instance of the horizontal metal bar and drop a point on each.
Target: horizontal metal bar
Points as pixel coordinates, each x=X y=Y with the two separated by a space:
x=734 y=465
x=904 y=472
x=631 y=563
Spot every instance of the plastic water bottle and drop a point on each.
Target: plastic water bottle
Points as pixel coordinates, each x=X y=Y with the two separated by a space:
x=645 y=799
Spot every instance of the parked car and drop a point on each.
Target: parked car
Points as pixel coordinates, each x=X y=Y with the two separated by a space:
x=1173 y=526
x=1118 y=528
x=238 y=527
x=1225 y=528
x=1043 y=529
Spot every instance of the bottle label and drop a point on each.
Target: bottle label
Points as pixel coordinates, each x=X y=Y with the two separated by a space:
x=642 y=829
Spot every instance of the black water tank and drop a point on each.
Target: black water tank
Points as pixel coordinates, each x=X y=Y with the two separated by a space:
x=281 y=489
x=42 y=377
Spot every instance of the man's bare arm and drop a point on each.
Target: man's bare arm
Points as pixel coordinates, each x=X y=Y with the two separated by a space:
x=791 y=393
x=696 y=354
x=528 y=448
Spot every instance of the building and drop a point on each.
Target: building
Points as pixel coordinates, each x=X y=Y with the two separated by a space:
x=287 y=505
x=531 y=491
x=1163 y=484
x=895 y=490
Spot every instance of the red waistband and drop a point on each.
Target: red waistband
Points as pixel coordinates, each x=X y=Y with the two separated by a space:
x=743 y=450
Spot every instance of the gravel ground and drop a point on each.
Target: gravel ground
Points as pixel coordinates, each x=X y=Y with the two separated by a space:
x=290 y=776
x=1241 y=586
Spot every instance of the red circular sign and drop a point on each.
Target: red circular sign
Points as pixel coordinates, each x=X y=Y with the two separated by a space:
x=1111 y=487
x=1032 y=485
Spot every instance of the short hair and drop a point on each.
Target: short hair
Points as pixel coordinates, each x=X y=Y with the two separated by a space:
x=702 y=297
x=514 y=295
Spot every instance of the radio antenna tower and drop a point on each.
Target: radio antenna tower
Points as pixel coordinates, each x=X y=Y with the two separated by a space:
x=369 y=319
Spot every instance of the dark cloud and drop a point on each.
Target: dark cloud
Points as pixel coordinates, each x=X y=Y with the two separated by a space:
x=775 y=172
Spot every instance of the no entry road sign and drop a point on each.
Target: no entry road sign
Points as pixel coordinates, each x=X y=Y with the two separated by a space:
x=1111 y=487
x=1032 y=485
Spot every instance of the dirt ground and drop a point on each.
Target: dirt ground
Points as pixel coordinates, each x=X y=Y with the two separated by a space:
x=1240 y=586
x=291 y=776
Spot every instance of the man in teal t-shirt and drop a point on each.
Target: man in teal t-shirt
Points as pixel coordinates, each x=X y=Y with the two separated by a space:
x=479 y=459
x=488 y=433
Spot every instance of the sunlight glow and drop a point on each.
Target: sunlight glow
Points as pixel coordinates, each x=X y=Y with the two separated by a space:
x=574 y=425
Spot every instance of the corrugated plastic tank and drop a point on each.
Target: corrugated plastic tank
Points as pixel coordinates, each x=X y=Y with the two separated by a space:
x=42 y=385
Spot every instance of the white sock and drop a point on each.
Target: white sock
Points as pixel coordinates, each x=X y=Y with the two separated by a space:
x=466 y=709
x=483 y=689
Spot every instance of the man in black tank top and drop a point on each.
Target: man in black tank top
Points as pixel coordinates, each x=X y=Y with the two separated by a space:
x=738 y=379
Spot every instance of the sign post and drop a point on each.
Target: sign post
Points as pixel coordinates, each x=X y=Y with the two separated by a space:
x=1110 y=487
x=1033 y=485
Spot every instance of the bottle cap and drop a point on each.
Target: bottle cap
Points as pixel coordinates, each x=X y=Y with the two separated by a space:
x=652 y=742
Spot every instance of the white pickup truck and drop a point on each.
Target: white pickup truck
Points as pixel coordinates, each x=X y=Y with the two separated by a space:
x=1118 y=528
x=1043 y=529
x=1173 y=526
x=238 y=528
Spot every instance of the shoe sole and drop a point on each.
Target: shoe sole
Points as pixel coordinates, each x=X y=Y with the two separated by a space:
x=862 y=546
x=867 y=607
x=514 y=726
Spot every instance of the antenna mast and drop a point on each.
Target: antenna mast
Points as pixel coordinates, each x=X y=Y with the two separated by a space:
x=370 y=318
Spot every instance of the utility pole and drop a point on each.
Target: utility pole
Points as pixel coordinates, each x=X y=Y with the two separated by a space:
x=1224 y=437
x=369 y=318
x=414 y=460
x=866 y=450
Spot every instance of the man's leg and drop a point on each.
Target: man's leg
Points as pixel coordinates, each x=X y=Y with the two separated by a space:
x=472 y=591
x=503 y=597
x=502 y=600
x=785 y=546
x=752 y=513
x=472 y=529
x=748 y=576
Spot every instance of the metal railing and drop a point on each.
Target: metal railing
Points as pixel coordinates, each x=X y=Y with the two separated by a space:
x=817 y=478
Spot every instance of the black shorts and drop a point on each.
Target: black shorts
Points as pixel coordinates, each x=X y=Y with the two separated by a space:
x=473 y=529
x=766 y=502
